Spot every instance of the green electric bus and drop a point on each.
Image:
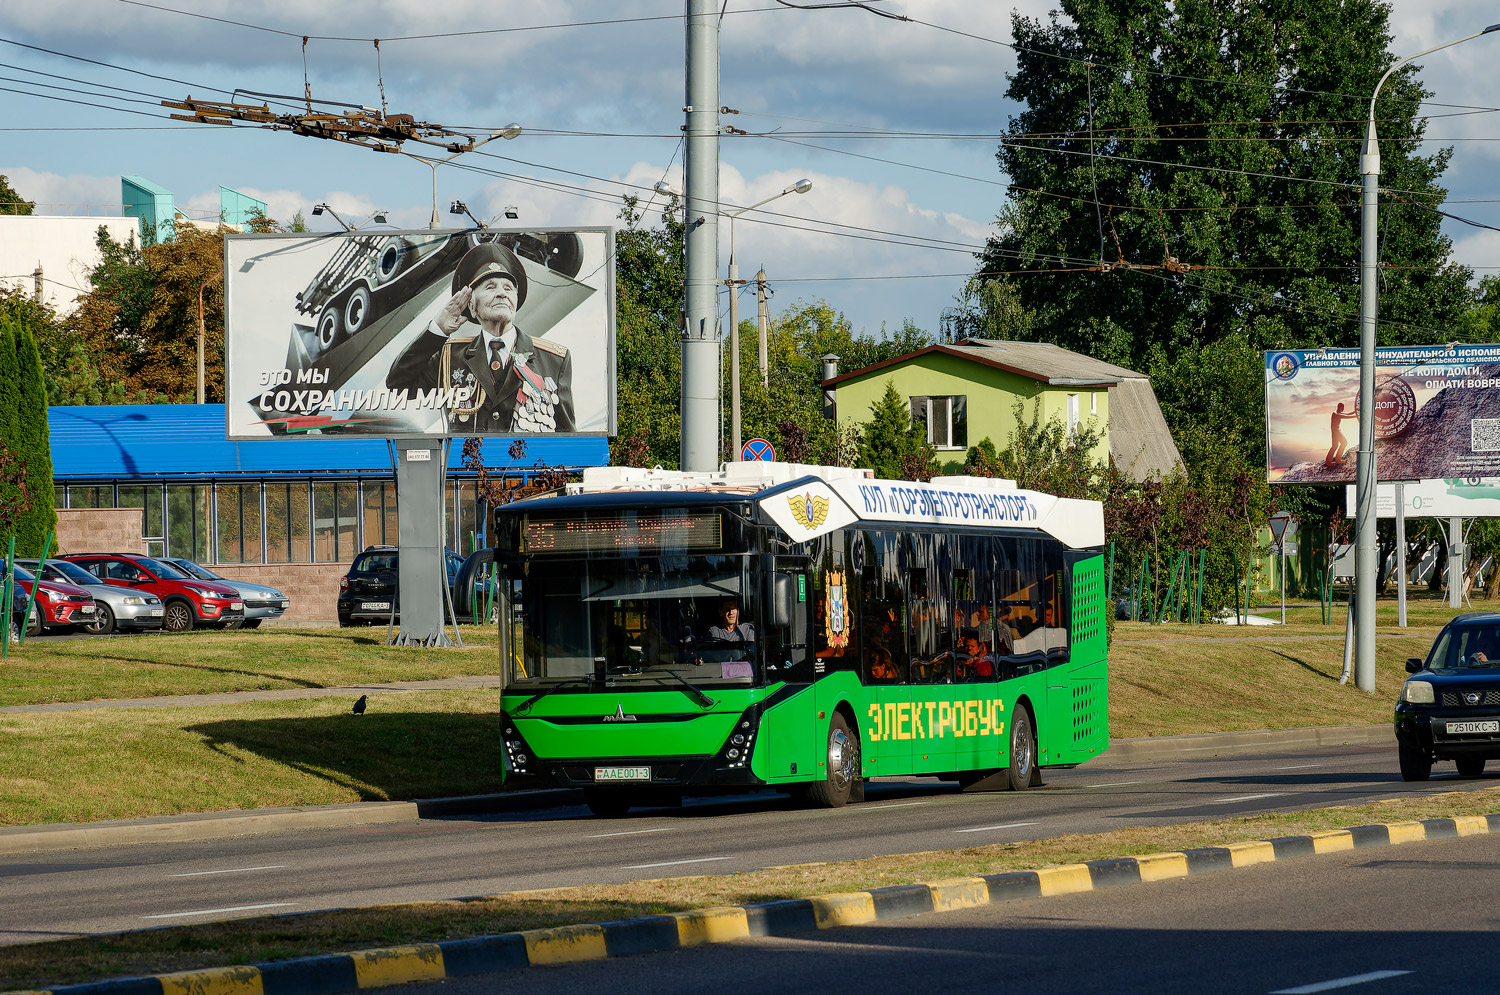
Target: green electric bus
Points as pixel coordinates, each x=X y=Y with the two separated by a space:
x=797 y=628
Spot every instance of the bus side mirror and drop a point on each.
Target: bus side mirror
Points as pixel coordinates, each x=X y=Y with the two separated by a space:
x=779 y=600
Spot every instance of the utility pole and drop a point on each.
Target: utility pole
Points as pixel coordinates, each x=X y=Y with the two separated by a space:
x=762 y=326
x=734 y=350
x=36 y=282
x=700 y=333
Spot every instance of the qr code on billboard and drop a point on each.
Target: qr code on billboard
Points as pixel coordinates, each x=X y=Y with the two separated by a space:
x=1484 y=435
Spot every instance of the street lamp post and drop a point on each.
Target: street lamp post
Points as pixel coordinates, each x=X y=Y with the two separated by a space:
x=801 y=186
x=1365 y=472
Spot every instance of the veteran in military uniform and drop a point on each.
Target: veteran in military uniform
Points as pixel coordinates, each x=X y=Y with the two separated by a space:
x=518 y=384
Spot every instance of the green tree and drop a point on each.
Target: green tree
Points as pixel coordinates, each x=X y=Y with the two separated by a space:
x=649 y=269
x=1166 y=134
x=32 y=444
x=12 y=202
x=890 y=443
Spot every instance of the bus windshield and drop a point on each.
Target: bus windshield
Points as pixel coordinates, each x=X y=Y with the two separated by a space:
x=643 y=620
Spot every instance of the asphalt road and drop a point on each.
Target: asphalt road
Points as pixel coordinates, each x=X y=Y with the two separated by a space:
x=130 y=887
x=1408 y=920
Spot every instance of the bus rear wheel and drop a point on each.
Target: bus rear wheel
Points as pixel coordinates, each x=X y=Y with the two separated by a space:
x=1023 y=772
x=844 y=779
x=606 y=804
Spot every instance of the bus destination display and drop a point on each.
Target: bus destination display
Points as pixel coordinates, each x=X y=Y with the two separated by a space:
x=675 y=531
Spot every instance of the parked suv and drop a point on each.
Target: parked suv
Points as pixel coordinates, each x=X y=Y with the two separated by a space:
x=60 y=607
x=115 y=608
x=186 y=600
x=367 y=593
x=1450 y=706
x=261 y=602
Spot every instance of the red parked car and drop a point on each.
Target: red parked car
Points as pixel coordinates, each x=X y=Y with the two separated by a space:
x=188 y=601
x=58 y=606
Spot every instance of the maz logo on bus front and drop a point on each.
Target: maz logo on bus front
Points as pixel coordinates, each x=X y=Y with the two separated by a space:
x=936 y=719
x=932 y=503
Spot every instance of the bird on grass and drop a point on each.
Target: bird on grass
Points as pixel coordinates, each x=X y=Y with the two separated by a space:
x=359 y=706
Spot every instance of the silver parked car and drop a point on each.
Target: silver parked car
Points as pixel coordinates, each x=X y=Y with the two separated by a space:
x=118 y=607
x=261 y=602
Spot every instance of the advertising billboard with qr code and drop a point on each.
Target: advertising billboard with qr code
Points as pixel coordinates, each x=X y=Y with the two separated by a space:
x=401 y=334
x=1437 y=414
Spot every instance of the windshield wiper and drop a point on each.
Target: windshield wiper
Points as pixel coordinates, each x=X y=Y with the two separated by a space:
x=524 y=706
x=693 y=692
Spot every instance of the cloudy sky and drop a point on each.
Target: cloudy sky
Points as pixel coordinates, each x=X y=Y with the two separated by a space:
x=886 y=233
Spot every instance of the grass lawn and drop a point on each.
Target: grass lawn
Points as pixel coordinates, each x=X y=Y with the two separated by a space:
x=46 y=669
x=37 y=965
x=97 y=764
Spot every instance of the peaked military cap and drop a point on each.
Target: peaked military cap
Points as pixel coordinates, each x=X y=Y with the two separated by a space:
x=489 y=259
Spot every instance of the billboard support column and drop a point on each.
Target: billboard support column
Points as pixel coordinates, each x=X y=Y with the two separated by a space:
x=1401 y=554
x=1456 y=562
x=700 y=336
x=422 y=575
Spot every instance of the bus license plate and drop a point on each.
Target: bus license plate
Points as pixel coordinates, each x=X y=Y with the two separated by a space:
x=1463 y=727
x=622 y=773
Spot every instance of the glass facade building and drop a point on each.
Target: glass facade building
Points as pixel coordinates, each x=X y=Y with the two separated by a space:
x=291 y=500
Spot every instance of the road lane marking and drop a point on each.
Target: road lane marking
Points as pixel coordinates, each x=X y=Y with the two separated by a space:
x=230 y=870
x=1353 y=979
x=1111 y=784
x=871 y=808
x=1008 y=825
x=214 y=912
x=1245 y=798
x=631 y=832
x=674 y=863
x=1296 y=766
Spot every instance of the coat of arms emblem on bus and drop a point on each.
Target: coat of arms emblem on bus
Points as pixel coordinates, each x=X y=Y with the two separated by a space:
x=838 y=620
x=809 y=511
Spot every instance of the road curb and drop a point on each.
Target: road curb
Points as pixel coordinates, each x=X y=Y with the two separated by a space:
x=1146 y=749
x=219 y=825
x=331 y=973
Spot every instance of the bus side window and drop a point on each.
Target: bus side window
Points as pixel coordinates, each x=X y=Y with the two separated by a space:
x=832 y=622
x=882 y=611
x=1057 y=614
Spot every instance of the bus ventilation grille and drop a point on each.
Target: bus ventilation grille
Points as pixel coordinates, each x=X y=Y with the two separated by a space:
x=1088 y=698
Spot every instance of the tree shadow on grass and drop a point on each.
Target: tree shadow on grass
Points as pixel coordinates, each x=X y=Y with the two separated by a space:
x=380 y=756
x=150 y=662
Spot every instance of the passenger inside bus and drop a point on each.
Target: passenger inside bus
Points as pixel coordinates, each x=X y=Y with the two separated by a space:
x=882 y=667
x=974 y=659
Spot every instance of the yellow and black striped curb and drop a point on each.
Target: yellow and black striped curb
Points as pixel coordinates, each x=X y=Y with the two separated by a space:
x=329 y=973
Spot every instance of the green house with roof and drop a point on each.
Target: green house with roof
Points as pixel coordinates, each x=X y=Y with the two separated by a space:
x=966 y=392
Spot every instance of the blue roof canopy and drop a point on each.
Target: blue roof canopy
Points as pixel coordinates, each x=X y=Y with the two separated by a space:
x=153 y=441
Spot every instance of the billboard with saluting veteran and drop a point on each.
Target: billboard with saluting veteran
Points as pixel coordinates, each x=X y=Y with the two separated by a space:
x=1437 y=413
x=397 y=334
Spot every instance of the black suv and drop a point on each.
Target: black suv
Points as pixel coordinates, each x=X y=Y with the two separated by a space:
x=1450 y=706
x=367 y=593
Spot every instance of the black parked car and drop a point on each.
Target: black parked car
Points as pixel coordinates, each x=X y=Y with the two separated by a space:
x=1450 y=706
x=367 y=593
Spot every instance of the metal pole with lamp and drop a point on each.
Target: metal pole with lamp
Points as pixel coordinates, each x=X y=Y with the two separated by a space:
x=508 y=132
x=801 y=186
x=1366 y=548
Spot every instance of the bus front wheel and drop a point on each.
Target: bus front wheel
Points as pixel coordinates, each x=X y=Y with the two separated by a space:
x=1023 y=771
x=844 y=779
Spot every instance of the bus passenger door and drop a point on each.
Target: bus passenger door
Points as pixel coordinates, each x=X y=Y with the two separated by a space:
x=885 y=725
x=787 y=727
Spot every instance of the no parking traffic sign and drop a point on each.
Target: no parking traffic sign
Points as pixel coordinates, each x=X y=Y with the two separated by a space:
x=758 y=449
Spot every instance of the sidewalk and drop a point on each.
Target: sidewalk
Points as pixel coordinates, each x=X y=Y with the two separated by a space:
x=280 y=694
